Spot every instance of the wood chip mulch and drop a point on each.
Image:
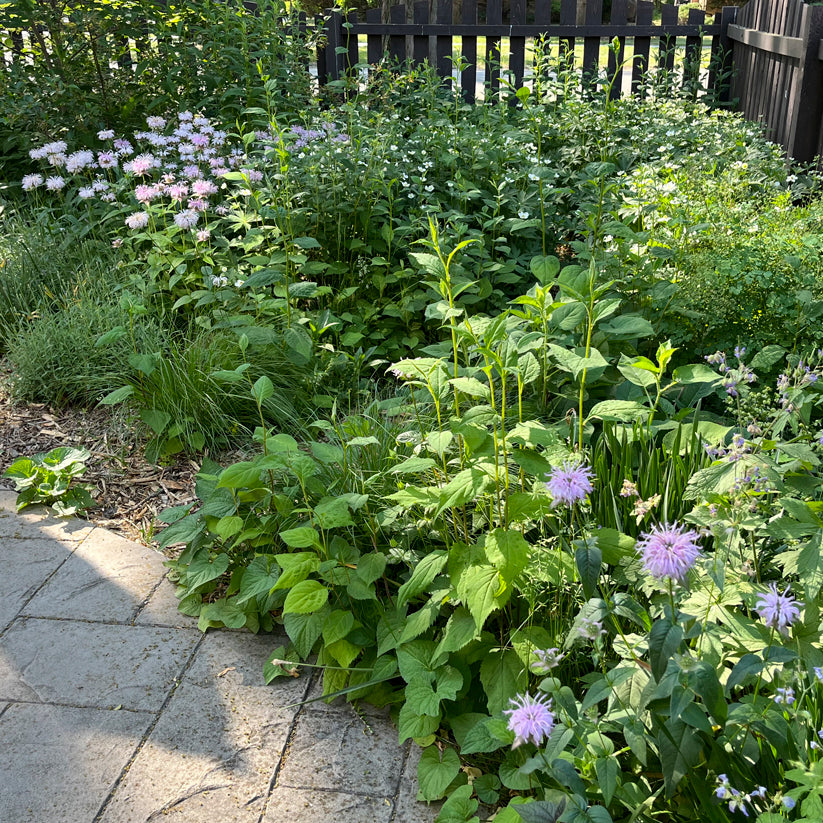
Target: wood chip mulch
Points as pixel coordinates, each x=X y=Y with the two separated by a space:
x=130 y=492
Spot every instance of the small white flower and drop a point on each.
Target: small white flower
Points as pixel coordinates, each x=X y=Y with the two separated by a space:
x=523 y=215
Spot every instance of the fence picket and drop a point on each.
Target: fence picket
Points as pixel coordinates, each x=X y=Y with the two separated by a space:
x=620 y=9
x=591 y=45
x=642 y=46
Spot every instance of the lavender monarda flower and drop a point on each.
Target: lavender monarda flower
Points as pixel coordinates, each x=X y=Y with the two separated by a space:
x=531 y=719
x=668 y=551
x=778 y=611
x=569 y=484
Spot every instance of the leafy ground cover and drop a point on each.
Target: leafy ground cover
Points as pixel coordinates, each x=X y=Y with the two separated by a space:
x=529 y=402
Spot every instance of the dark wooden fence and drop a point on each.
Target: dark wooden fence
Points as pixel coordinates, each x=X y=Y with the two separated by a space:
x=507 y=27
x=777 y=52
x=770 y=50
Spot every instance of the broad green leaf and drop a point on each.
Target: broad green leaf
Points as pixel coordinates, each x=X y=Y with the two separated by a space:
x=305 y=597
x=696 y=373
x=664 y=640
x=296 y=568
x=459 y=632
x=460 y=807
x=263 y=389
x=415 y=726
x=471 y=386
x=117 y=396
x=626 y=411
x=435 y=772
x=482 y=590
x=303 y=537
x=508 y=552
x=304 y=630
x=607 y=770
x=203 y=570
x=679 y=749
x=503 y=675
x=422 y=575
x=463 y=488
x=259 y=577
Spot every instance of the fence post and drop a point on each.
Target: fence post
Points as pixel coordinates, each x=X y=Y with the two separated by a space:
x=804 y=136
x=721 y=67
x=335 y=60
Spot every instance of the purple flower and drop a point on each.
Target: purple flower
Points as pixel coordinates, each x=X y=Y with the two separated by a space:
x=531 y=719
x=777 y=611
x=569 y=484
x=156 y=122
x=785 y=696
x=788 y=802
x=669 y=551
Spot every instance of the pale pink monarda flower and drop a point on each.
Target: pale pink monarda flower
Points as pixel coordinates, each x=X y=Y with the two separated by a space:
x=32 y=181
x=138 y=220
x=192 y=171
x=197 y=204
x=145 y=194
x=57 y=160
x=177 y=191
x=253 y=175
x=86 y=192
x=203 y=188
x=156 y=123
x=199 y=141
x=55 y=183
x=531 y=719
x=55 y=148
x=107 y=160
x=100 y=185
x=185 y=116
x=117 y=242
x=186 y=219
x=669 y=551
x=203 y=236
x=142 y=164
x=105 y=134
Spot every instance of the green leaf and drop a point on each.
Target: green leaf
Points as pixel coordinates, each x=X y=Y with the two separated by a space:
x=696 y=373
x=414 y=465
x=303 y=537
x=508 y=552
x=471 y=386
x=296 y=566
x=305 y=597
x=117 y=396
x=299 y=342
x=544 y=269
x=203 y=570
x=767 y=357
x=607 y=770
x=272 y=671
x=259 y=578
x=459 y=632
x=464 y=487
x=589 y=560
x=614 y=545
x=337 y=625
x=541 y=811
x=459 y=808
x=626 y=411
x=664 y=640
x=679 y=749
x=262 y=389
x=304 y=630
x=110 y=336
x=503 y=675
x=436 y=771
x=144 y=363
x=481 y=589
x=227 y=527
x=413 y=725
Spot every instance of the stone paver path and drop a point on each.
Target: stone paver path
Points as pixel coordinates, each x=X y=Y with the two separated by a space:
x=114 y=708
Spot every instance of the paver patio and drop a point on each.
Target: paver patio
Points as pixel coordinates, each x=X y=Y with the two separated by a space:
x=114 y=708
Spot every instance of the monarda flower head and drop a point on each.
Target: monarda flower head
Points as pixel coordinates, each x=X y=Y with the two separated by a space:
x=778 y=611
x=569 y=484
x=531 y=719
x=669 y=551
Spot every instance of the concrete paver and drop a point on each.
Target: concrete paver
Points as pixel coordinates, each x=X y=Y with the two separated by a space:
x=107 y=578
x=115 y=709
x=217 y=743
x=315 y=806
x=26 y=564
x=161 y=608
x=91 y=664
x=59 y=763
x=329 y=752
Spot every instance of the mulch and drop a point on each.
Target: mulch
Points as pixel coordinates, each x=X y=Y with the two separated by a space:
x=129 y=491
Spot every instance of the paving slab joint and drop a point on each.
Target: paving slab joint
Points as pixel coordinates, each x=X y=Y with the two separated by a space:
x=284 y=754
x=177 y=681
x=141 y=606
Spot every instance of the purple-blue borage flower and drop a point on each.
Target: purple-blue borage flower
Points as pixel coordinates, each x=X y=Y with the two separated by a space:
x=785 y=696
x=669 y=551
x=531 y=719
x=569 y=484
x=788 y=802
x=778 y=611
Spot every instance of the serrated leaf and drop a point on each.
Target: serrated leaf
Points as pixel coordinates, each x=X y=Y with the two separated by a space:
x=503 y=675
x=305 y=597
x=482 y=590
x=422 y=575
